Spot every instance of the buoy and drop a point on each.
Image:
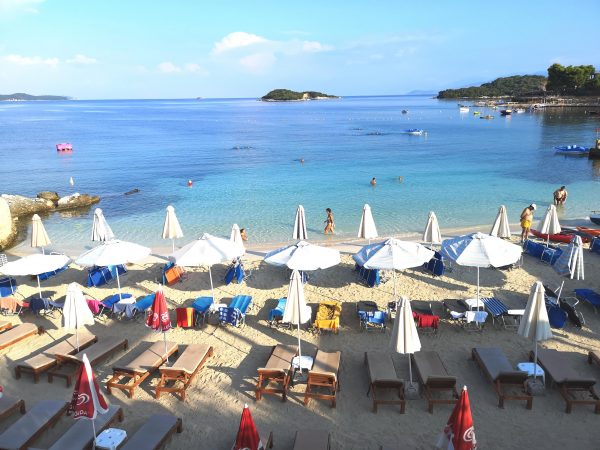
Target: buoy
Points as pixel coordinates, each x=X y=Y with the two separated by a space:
x=190 y=183
x=71 y=181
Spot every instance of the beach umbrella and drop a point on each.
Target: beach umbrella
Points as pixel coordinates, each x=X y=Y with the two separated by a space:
x=87 y=400
x=393 y=255
x=171 y=228
x=206 y=251
x=35 y=264
x=236 y=236
x=158 y=319
x=405 y=338
x=549 y=224
x=39 y=237
x=300 y=224
x=76 y=312
x=247 y=436
x=432 y=234
x=100 y=229
x=500 y=228
x=570 y=262
x=534 y=323
x=367 y=229
x=459 y=433
x=303 y=256
x=295 y=311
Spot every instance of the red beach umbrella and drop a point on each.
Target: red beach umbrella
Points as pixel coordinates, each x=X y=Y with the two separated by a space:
x=459 y=433
x=247 y=437
x=158 y=319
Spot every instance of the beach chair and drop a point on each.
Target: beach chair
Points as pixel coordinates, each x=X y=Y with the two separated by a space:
x=550 y=255
x=32 y=424
x=172 y=274
x=276 y=314
x=14 y=304
x=18 y=333
x=370 y=277
x=235 y=273
x=324 y=375
x=573 y=388
x=370 y=317
x=108 y=304
x=45 y=360
x=142 y=305
x=46 y=275
x=10 y=405
x=499 y=371
x=183 y=371
x=154 y=433
x=44 y=306
x=128 y=377
x=235 y=313
x=382 y=376
x=202 y=307
x=589 y=296
x=460 y=314
x=312 y=440
x=185 y=317
x=509 y=318
x=435 y=379
x=595 y=245
x=277 y=371
x=562 y=308
x=328 y=316
x=8 y=286
x=98 y=276
x=435 y=265
x=68 y=365
x=426 y=321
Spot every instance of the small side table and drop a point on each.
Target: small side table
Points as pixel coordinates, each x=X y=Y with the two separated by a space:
x=301 y=363
x=110 y=439
x=529 y=368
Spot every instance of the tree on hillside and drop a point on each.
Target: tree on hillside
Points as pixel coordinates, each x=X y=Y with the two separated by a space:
x=572 y=80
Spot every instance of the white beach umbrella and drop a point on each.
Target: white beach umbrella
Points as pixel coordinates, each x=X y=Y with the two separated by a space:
x=549 y=224
x=36 y=264
x=100 y=229
x=295 y=311
x=171 y=228
x=534 y=323
x=303 y=256
x=500 y=228
x=236 y=237
x=432 y=234
x=405 y=338
x=300 y=224
x=39 y=237
x=76 y=312
x=367 y=229
x=570 y=262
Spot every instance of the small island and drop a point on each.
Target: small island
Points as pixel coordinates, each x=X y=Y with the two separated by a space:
x=285 y=95
x=21 y=97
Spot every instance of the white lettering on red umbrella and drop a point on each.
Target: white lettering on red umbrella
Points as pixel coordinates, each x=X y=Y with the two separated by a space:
x=82 y=398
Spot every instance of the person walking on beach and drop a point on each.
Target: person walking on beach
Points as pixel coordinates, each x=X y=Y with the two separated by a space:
x=526 y=220
x=373 y=182
x=329 y=224
x=560 y=196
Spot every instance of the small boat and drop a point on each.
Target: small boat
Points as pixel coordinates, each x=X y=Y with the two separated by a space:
x=564 y=236
x=64 y=147
x=463 y=108
x=506 y=112
x=476 y=113
x=520 y=110
x=571 y=150
x=405 y=111
x=487 y=117
x=414 y=131
x=591 y=231
x=595 y=218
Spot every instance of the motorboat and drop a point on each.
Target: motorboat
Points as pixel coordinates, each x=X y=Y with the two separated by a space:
x=414 y=131
x=64 y=147
x=571 y=150
x=487 y=117
x=506 y=112
x=595 y=217
x=520 y=110
x=463 y=108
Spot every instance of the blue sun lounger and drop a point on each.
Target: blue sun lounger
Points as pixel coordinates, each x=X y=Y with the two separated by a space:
x=98 y=276
x=45 y=276
x=590 y=296
x=499 y=311
x=235 y=273
x=235 y=313
x=276 y=314
x=8 y=286
x=370 y=277
x=201 y=308
x=435 y=265
x=142 y=304
x=109 y=302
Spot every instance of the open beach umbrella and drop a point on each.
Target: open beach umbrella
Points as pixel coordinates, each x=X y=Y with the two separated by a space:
x=100 y=229
x=367 y=229
x=236 y=236
x=247 y=437
x=570 y=262
x=300 y=224
x=295 y=311
x=405 y=338
x=534 y=323
x=171 y=228
x=36 y=264
x=76 y=312
x=500 y=228
x=549 y=224
x=459 y=433
x=303 y=256
x=158 y=319
x=39 y=237
x=432 y=234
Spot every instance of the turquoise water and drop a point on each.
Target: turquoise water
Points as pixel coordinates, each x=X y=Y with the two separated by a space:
x=243 y=157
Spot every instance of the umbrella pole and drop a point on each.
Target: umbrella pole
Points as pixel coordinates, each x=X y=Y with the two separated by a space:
x=535 y=362
x=477 y=288
x=211 y=284
x=410 y=369
x=119 y=284
x=394 y=272
x=173 y=242
x=94 y=431
x=165 y=339
x=77 y=340
x=39 y=287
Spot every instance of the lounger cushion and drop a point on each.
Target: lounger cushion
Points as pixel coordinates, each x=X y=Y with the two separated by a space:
x=381 y=367
x=311 y=440
x=429 y=367
x=66 y=347
x=149 y=359
x=149 y=435
x=496 y=363
x=281 y=357
x=191 y=358
x=557 y=365
x=327 y=363
x=17 y=333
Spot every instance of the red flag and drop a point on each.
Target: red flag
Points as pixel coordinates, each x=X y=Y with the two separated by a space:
x=87 y=400
x=459 y=433
x=158 y=319
x=247 y=437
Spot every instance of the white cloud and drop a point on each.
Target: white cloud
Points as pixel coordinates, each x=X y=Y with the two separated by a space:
x=195 y=68
x=170 y=68
x=82 y=59
x=258 y=62
x=20 y=6
x=31 y=60
x=315 y=47
x=237 y=39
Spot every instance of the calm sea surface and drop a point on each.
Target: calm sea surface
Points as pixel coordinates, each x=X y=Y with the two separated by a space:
x=243 y=157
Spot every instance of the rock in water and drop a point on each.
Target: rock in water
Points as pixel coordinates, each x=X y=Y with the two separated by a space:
x=8 y=231
x=48 y=195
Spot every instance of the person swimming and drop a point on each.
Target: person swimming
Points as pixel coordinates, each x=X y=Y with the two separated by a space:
x=373 y=181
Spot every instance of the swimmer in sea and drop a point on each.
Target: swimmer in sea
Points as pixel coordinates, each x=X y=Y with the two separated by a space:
x=400 y=179
x=373 y=182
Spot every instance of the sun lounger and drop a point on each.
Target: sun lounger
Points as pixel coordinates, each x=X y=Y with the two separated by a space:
x=569 y=382
x=459 y=313
x=510 y=318
x=370 y=316
x=276 y=314
x=496 y=367
x=32 y=424
x=435 y=378
x=18 y=333
x=5 y=325
x=46 y=275
x=67 y=364
x=589 y=296
x=235 y=272
x=142 y=305
x=98 y=276
x=45 y=360
x=235 y=313
x=202 y=307
x=312 y=440
x=328 y=316
x=426 y=321
x=9 y=404
x=324 y=375
x=8 y=286
x=382 y=375
x=183 y=371
x=154 y=433
x=277 y=370
x=140 y=368
x=13 y=305
x=594 y=356
x=172 y=273
x=371 y=277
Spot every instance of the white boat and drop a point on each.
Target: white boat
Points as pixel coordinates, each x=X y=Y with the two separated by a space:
x=463 y=108
x=414 y=132
x=519 y=110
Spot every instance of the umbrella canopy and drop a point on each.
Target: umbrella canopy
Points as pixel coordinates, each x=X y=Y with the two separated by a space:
x=500 y=228
x=113 y=253
x=100 y=229
x=236 y=237
x=405 y=338
x=35 y=265
x=459 y=433
x=432 y=234
x=247 y=437
x=300 y=224
x=303 y=256
x=39 y=237
x=367 y=229
x=76 y=312
x=158 y=319
x=570 y=262
x=295 y=311
x=549 y=224
x=171 y=228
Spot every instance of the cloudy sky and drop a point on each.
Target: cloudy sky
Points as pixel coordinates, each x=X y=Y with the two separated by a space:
x=183 y=49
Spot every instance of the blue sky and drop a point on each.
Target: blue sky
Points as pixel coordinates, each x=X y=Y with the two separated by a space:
x=182 y=49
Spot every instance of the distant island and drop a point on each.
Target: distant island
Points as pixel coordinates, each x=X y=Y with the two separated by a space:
x=285 y=95
x=20 y=97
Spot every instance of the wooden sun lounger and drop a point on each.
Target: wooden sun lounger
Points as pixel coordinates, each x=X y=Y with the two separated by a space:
x=45 y=360
x=5 y=325
x=139 y=368
x=154 y=433
x=278 y=370
x=18 y=333
x=68 y=365
x=9 y=404
x=497 y=368
x=569 y=382
x=435 y=378
x=38 y=419
x=594 y=356
x=324 y=374
x=382 y=375
x=312 y=440
x=183 y=370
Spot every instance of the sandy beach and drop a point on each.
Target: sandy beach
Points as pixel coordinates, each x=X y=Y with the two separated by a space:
x=215 y=399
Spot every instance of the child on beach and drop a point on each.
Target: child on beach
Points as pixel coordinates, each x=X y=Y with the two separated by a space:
x=329 y=224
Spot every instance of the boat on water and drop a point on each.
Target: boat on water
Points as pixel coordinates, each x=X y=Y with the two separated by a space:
x=476 y=113
x=487 y=117
x=463 y=108
x=595 y=217
x=506 y=112
x=563 y=237
x=591 y=231
x=64 y=147
x=405 y=111
x=571 y=150
x=414 y=131
x=520 y=110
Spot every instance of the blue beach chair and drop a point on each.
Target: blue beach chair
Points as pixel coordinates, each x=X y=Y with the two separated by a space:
x=8 y=286
x=595 y=245
x=45 y=276
x=370 y=316
x=589 y=296
x=98 y=276
x=435 y=265
x=235 y=313
x=201 y=308
x=371 y=277
x=235 y=273
x=142 y=305
x=276 y=314
x=109 y=302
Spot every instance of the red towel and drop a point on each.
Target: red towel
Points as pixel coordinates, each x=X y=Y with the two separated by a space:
x=185 y=317
x=93 y=304
x=427 y=321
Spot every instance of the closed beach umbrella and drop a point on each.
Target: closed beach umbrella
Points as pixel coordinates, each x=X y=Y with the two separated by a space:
x=303 y=256
x=534 y=324
x=367 y=229
x=500 y=228
x=171 y=228
x=405 y=338
x=236 y=236
x=39 y=237
x=459 y=432
x=549 y=224
x=158 y=319
x=295 y=311
x=101 y=231
x=247 y=437
x=300 y=224
x=570 y=262
x=432 y=234
x=76 y=312
x=35 y=265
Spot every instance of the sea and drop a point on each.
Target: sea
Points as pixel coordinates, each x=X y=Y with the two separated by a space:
x=252 y=163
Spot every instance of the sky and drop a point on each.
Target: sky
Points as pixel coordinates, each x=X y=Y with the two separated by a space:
x=107 y=49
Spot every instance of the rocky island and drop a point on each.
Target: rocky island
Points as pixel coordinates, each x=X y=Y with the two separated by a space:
x=20 y=97
x=285 y=95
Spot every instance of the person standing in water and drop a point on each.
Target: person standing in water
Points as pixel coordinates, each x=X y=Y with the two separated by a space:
x=373 y=182
x=526 y=220
x=329 y=224
x=560 y=196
